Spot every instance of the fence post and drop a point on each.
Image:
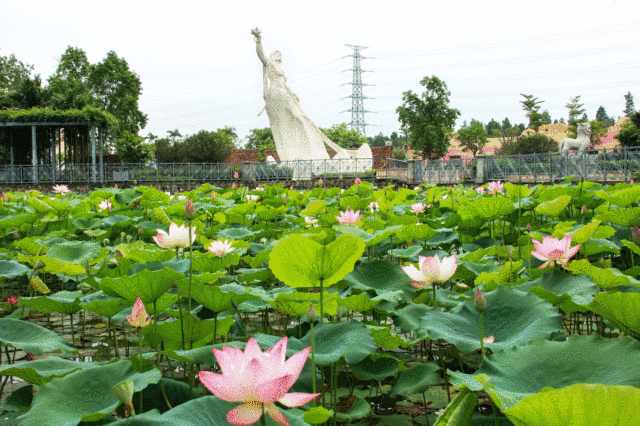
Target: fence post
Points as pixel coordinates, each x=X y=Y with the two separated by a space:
x=481 y=162
x=626 y=162
x=34 y=155
x=604 y=166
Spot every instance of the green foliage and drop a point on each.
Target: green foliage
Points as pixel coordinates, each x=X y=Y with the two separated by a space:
x=260 y=139
x=428 y=119
x=628 y=104
x=12 y=72
x=473 y=138
x=91 y=116
x=630 y=134
x=529 y=144
x=603 y=118
x=203 y=147
x=133 y=149
x=345 y=138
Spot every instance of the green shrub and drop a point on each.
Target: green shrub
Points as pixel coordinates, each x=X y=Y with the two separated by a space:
x=529 y=144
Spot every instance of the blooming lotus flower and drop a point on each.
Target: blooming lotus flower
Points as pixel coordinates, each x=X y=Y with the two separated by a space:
x=495 y=187
x=358 y=181
x=12 y=300
x=234 y=186
x=257 y=379
x=552 y=250
x=373 y=206
x=488 y=339
x=177 y=236
x=431 y=270
x=236 y=175
x=348 y=217
x=480 y=189
x=220 y=248
x=61 y=189
x=311 y=222
x=139 y=317
x=252 y=198
x=445 y=196
x=104 y=205
x=182 y=197
x=5 y=197
x=417 y=208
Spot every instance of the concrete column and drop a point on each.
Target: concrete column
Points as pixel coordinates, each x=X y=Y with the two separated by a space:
x=34 y=155
x=54 y=160
x=94 y=171
x=101 y=154
x=480 y=168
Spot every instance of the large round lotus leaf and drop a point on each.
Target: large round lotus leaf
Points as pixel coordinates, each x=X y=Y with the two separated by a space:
x=359 y=410
x=10 y=269
x=375 y=367
x=31 y=337
x=604 y=278
x=579 y=405
x=416 y=379
x=84 y=395
x=384 y=277
x=127 y=196
x=622 y=309
x=76 y=252
x=235 y=233
x=351 y=340
x=63 y=302
x=218 y=298
x=103 y=305
x=201 y=331
x=622 y=217
x=205 y=411
x=301 y=262
x=41 y=371
x=553 y=207
x=512 y=317
x=558 y=287
x=511 y=375
x=370 y=239
x=148 y=285
x=86 y=223
x=117 y=221
x=488 y=208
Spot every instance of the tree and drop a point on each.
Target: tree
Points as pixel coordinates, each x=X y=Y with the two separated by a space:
x=532 y=106
x=428 y=120
x=575 y=109
x=174 y=135
x=545 y=117
x=602 y=117
x=209 y=147
x=132 y=148
x=344 y=137
x=597 y=130
x=260 y=139
x=117 y=90
x=630 y=133
x=473 y=138
x=69 y=87
x=164 y=151
x=379 y=140
x=12 y=72
x=529 y=144
x=628 y=105
x=492 y=126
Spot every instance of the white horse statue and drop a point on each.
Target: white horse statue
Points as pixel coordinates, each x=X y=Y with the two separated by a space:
x=581 y=142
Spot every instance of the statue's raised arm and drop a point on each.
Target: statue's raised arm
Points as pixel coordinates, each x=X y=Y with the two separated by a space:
x=258 y=38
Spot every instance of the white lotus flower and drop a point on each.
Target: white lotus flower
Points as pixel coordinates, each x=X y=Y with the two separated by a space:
x=220 y=248
x=177 y=236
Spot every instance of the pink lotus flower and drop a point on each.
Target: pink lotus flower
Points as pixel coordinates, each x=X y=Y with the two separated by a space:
x=488 y=339
x=480 y=189
x=139 y=317
x=495 y=187
x=358 y=181
x=552 y=250
x=431 y=270
x=220 y=248
x=5 y=197
x=417 y=208
x=258 y=379
x=348 y=217
x=12 y=300
x=234 y=186
x=177 y=236
x=236 y=175
x=61 y=189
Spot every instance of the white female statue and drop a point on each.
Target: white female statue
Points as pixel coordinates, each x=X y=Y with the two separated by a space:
x=295 y=135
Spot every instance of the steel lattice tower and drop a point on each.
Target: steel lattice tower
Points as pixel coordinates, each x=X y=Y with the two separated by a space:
x=357 y=108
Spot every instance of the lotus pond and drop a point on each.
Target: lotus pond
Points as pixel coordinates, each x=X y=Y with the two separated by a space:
x=503 y=305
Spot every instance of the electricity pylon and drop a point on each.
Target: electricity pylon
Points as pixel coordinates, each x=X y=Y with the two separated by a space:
x=357 y=107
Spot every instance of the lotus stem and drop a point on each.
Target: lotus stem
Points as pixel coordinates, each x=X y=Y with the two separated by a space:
x=190 y=277
x=481 y=338
x=313 y=364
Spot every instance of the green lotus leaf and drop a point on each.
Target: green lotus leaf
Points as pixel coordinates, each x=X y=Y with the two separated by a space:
x=410 y=318
x=11 y=269
x=416 y=379
x=63 y=302
x=461 y=325
x=141 y=252
x=300 y=262
x=39 y=206
x=239 y=233
x=42 y=371
x=383 y=277
x=128 y=196
x=298 y=303
x=117 y=221
x=580 y=405
x=218 y=298
x=553 y=207
x=412 y=253
x=584 y=232
x=253 y=275
x=84 y=395
x=488 y=208
x=460 y=410
x=86 y=223
x=631 y=246
x=55 y=266
x=604 y=278
x=599 y=245
x=622 y=217
x=350 y=340
x=622 y=309
x=358 y=302
x=203 y=331
x=516 y=191
x=558 y=287
x=104 y=305
x=18 y=402
x=370 y=239
x=76 y=252
x=148 y=285
x=511 y=375
x=315 y=208
x=385 y=338
x=32 y=246
x=359 y=410
x=31 y=337
x=375 y=367
x=317 y=415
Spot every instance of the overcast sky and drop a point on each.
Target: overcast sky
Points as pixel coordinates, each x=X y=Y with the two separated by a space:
x=199 y=69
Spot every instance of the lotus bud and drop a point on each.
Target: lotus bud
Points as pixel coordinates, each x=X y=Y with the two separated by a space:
x=358 y=181
x=123 y=391
x=122 y=235
x=105 y=242
x=129 y=237
x=234 y=186
x=528 y=227
x=312 y=315
x=479 y=302
x=190 y=211
x=584 y=209
x=140 y=230
x=15 y=235
x=635 y=235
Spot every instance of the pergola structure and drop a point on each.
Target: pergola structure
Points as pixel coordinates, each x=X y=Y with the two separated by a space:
x=53 y=150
